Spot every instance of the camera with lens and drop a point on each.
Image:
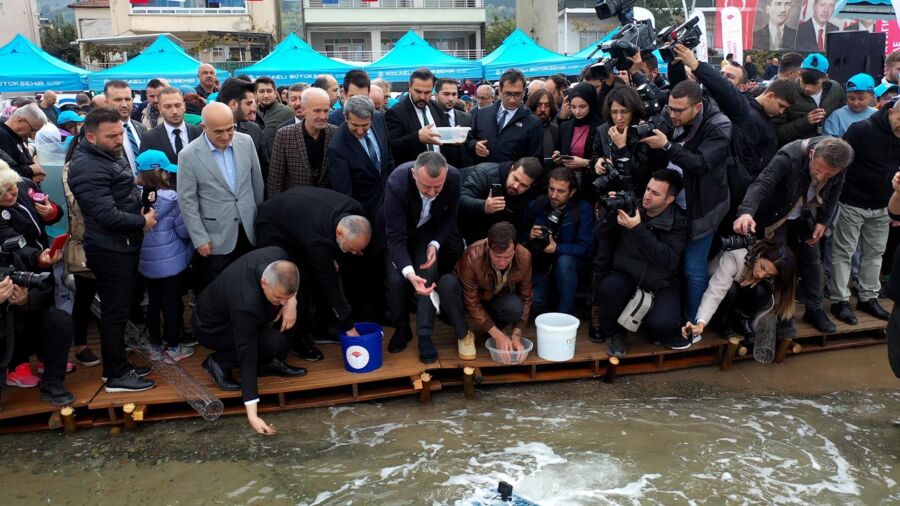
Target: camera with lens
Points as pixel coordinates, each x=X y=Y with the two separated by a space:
x=539 y=243
x=617 y=176
x=624 y=9
x=626 y=201
x=633 y=37
x=23 y=279
x=645 y=129
x=733 y=242
x=648 y=92
x=687 y=34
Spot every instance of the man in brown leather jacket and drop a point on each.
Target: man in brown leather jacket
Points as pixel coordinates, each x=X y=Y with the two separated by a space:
x=492 y=283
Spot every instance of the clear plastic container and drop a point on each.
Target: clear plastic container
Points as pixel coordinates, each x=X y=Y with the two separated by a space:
x=509 y=357
x=452 y=135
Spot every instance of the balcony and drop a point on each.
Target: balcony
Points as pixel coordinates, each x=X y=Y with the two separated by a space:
x=190 y=8
x=576 y=4
x=392 y=12
x=393 y=4
x=368 y=56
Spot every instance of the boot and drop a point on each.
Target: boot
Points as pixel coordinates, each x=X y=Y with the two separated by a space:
x=594 y=331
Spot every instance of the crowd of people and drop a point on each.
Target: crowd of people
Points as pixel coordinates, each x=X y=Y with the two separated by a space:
x=650 y=203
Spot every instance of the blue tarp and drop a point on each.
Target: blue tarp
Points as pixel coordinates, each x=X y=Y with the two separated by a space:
x=412 y=52
x=293 y=61
x=162 y=59
x=520 y=52
x=26 y=67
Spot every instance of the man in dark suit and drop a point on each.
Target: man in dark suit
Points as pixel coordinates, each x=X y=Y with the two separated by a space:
x=240 y=97
x=811 y=33
x=118 y=96
x=775 y=34
x=173 y=134
x=411 y=120
x=235 y=317
x=446 y=94
x=299 y=155
x=419 y=216
x=506 y=131
x=270 y=113
x=356 y=82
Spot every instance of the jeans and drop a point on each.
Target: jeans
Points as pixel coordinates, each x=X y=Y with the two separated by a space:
x=869 y=228
x=165 y=296
x=562 y=283
x=616 y=289
x=116 y=274
x=696 y=274
x=503 y=309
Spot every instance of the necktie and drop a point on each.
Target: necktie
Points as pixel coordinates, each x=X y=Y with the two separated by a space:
x=428 y=147
x=370 y=147
x=132 y=141
x=450 y=119
x=821 y=39
x=178 y=144
x=502 y=120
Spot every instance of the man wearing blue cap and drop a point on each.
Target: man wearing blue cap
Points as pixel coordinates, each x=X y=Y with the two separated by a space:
x=863 y=216
x=860 y=92
x=884 y=93
x=819 y=97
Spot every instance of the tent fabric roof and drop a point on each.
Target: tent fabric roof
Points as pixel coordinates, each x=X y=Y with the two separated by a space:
x=520 y=51
x=292 y=61
x=412 y=52
x=26 y=67
x=162 y=59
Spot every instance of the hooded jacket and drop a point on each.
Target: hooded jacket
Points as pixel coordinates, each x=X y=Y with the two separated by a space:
x=792 y=125
x=167 y=249
x=876 y=156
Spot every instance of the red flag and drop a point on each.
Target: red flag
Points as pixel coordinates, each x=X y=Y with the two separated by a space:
x=137 y=2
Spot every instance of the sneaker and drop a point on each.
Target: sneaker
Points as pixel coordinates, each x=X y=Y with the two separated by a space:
x=87 y=358
x=55 y=393
x=841 y=310
x=466 y=347
x=616 y=345
x=70 y=367
x=679 y=343
x=129 y=382
x=140 y=371
x=179 y=352
x=22 y=377
x=188 y=339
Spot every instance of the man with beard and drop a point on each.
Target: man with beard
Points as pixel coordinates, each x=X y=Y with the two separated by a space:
x=270 y=113
x=446 y=95
x=240 y=97
x=411 y=122
x=495 y=193
x=544 y=107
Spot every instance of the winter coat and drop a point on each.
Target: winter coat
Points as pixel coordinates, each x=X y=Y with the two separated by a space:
x=792 y=125
x=167 y=249
x=876 y=156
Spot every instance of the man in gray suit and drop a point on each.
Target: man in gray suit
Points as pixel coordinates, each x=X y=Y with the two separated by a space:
x=220 y=185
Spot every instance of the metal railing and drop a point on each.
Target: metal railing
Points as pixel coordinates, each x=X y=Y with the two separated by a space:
x=394 y=4
x=188 y=11
x=368 y=56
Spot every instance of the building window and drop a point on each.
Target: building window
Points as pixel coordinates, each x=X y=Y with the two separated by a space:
x=219 y=53
x=588 y=38
x=347 y=48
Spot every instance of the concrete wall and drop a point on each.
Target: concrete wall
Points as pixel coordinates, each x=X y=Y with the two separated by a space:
x=537 y=18
x=19 y=16
x=260 y=17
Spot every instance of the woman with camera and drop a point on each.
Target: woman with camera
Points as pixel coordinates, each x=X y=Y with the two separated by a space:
x=38 y=325
x=746 y=284
x=615 y=146
x=575 y=139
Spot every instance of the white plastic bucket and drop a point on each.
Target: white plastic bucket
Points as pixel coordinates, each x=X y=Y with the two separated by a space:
x=556 y=336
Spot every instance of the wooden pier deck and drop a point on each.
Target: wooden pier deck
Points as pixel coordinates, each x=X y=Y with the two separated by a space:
x=328 y=383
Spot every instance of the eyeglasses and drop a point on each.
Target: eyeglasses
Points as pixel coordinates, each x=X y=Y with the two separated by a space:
x=33 y=130
x=510 y=94
x=677 y=111
x=619 y=112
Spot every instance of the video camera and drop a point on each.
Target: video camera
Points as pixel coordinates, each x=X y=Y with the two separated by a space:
x=687 y=34
x=633 y=37
x=23 y=279
x=625 y=201
x=648 y=92
x=733 y=242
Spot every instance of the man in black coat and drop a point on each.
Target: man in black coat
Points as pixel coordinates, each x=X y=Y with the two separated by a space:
x=812 y=33
x=479 y=207
x=419 y=217
x=110 y=204
x=14 y=134
x=792 y=201
x=240 y=97
x=331 y=227
x=119 y=96
x=234 y=317
x=446 y=94
x=411 y=120
x=173 y=134
x=506 y=131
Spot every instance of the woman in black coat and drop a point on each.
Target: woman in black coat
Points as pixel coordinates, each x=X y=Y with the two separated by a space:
x=576 y=143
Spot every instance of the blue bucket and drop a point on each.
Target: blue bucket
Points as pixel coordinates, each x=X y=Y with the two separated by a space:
x=363 y=353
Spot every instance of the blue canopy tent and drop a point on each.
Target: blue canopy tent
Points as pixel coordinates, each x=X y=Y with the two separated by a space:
x=162 y=59
x=521 y=52
x=26 y=67
x=293 y=61
x=412 y=52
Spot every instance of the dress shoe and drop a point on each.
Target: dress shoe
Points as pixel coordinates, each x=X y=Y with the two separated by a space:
x=818 y=319
x=427 y=352
x=595 y=335
x=222 y=377
x=841 y=311
x=307 y=351
x=279 y=368
x=402 y=336
x=872 y=307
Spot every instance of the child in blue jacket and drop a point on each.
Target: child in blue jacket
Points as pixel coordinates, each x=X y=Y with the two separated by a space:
x=166 y=253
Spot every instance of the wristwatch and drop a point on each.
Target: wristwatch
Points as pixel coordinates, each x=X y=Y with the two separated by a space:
x=668 y=146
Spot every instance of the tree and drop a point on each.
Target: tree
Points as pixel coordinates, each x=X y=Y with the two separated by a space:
x=57 y=37
x=498 y=29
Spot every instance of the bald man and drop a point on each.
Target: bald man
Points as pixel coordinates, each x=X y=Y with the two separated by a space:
x=206 y=74
x=98 y=101
x=376 y=95
x=220 y=186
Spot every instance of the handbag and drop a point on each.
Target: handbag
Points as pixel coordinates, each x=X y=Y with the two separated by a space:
x=636 y=309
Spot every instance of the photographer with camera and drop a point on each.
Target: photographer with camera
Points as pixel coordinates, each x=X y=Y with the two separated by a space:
x=791 y=202
x=637 y=269
x=559 y=230
x=748 y=280
x=495 y=193
x=38 y=326
x=699 y=148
